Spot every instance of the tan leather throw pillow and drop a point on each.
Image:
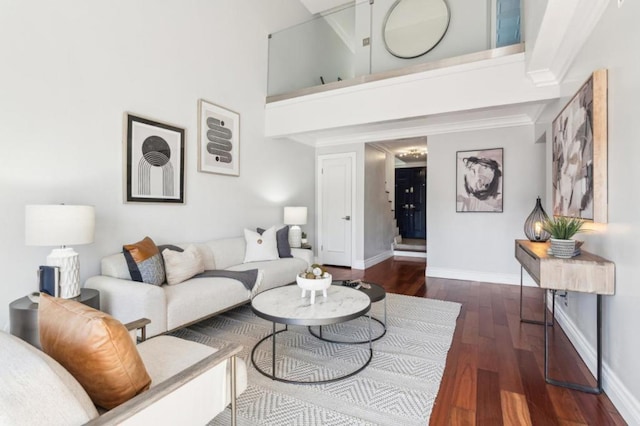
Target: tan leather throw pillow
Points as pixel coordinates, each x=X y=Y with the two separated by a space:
x=94 y=347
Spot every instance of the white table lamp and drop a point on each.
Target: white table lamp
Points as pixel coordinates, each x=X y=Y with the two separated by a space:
x=295 y=216
x=61 y=225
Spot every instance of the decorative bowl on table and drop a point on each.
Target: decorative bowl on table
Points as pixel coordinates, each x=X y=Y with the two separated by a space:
x=314 y=279
x=314 y=284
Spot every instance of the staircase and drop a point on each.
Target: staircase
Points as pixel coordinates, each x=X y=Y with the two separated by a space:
x=409 y=247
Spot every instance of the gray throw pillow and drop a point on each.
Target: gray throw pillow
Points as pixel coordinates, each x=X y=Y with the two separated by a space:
x=282 y=239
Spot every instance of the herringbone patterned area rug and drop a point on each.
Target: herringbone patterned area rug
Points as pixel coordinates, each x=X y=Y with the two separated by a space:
x=399 y=387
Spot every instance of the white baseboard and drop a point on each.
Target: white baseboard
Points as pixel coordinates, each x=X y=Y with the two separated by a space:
x=377 y=259
x=485 y=277
x=625 y=402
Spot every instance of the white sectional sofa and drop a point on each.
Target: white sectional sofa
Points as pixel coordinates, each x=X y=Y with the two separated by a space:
x=173 y=306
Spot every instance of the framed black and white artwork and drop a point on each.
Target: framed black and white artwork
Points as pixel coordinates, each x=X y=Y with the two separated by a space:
x=154 y=161
x=479 y=177
x=579 y=153
x=218 y=139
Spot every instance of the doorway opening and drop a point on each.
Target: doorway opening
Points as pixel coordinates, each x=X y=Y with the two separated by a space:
x=407 y=188
x=410 y=207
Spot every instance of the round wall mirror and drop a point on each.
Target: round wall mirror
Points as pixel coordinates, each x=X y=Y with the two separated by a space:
x=414 y=27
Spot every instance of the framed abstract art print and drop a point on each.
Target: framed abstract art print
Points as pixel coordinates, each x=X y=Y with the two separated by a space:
x=579 y=153
x=479 y=177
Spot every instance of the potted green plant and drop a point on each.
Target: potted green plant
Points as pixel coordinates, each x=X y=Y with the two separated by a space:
x=562 y=229
x=304 y=238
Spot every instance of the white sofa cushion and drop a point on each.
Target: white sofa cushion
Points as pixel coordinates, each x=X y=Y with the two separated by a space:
x=227 y=252
x=260 y=246
x=180 y=266
x=201 y=297
x=164 y=356
x=36 y=390
x=115 y=265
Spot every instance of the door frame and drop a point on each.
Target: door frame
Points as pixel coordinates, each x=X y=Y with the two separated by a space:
x=354 y=219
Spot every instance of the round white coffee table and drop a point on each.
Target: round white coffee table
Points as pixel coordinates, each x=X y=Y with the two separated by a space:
x=283 y=305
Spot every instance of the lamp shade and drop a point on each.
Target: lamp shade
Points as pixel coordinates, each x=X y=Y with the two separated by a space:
x=59 y=225
x=533 y=226
x=295 y=215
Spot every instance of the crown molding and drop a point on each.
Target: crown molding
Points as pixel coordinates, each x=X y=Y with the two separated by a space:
x=566 y=26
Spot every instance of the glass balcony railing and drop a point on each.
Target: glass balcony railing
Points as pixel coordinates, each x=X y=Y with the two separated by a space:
x=349 y=44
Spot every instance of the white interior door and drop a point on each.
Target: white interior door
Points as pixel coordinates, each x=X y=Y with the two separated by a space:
x=336 y=175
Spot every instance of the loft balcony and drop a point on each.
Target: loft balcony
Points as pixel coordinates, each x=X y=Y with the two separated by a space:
x=333 y=80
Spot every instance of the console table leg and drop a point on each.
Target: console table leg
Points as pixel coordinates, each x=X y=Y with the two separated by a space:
x=530 y=321
x=575 y=386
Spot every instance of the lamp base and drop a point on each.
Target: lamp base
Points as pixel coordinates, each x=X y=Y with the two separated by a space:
x=67 y=260
x=295 y=236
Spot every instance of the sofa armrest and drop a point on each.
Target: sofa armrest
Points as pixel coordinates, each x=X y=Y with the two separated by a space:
x=304 y=254
x=128 y=301
x=141 y=325
x=141 y=406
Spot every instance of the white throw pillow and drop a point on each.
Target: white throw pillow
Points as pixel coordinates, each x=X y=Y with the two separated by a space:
x=180 y=266
x=261 y=247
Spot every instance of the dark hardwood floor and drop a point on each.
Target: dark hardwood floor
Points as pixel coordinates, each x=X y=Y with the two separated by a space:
x=494 y=373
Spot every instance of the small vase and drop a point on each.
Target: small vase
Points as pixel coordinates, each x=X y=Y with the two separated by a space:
x=563 y=248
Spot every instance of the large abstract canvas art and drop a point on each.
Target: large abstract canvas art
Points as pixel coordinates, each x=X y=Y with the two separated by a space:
x=479 y=180
x=154 y=161
x=218 y=139
x=579 y=172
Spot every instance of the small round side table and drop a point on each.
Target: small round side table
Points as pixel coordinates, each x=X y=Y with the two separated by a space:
x=23 y=315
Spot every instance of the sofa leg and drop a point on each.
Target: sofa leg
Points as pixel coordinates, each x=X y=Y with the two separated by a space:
x=233 y=391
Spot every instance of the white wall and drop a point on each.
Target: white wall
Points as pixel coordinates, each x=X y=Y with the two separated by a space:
x=480 y=246
x=468 y=32
x=71 y=69
x=613 y=45
x=378 y=234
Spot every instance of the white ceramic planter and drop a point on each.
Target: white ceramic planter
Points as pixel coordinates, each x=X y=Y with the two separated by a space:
x=313 y=285
x=563 y=248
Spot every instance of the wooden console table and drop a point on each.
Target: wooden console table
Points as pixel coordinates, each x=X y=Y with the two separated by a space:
x=585 y=273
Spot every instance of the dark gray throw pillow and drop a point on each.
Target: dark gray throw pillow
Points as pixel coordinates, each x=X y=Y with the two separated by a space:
x=282 y=239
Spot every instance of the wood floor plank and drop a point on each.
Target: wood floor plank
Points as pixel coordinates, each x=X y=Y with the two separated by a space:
x=515 y=410
x=565 y=405
x=508 y=368
x=465 y=387
x=471 y=328
x=489 y=406
x=540 y=405
x=488 y=356
x=461 y=417
x=498 y=308
x=485 y=316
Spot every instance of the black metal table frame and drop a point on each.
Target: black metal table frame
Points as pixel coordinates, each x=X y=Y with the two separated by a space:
x=361 y=342
x=308 y=382
x=595 y=390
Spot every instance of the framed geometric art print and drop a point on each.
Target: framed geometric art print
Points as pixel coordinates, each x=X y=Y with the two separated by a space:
x=218 y=139
x=154 y=161
x=579 y=153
